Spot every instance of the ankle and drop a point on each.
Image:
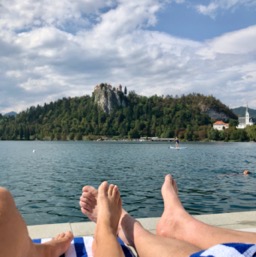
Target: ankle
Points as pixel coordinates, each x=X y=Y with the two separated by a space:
x=103 y=230
x=42 y=250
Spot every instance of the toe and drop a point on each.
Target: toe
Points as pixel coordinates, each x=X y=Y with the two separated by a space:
x=103 y=188
x=111 y=189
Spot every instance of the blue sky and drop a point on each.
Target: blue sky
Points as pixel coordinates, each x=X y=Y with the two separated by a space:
x=186 y=22
x=50 y=50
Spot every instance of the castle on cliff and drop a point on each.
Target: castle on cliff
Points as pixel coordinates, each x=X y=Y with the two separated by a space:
x=107 y=86
x=109 y=98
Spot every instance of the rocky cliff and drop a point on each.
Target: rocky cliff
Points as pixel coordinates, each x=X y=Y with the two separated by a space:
x=215 y=109
x=217 y=115
x=108 y=97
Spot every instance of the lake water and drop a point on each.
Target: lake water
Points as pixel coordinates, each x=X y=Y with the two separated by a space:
x=46 y=178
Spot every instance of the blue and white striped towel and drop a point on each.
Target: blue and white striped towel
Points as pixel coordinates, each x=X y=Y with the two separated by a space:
x=82 y=247
x=228 y=250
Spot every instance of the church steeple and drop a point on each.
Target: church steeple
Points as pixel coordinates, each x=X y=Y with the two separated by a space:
x=245 y=121
x=247 y=116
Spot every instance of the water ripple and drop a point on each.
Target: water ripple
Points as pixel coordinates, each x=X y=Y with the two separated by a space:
x=47 y=182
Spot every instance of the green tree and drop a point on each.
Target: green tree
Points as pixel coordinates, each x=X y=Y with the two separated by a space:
x=251 y=132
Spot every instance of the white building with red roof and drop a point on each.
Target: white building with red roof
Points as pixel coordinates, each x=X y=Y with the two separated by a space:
x=220 y=125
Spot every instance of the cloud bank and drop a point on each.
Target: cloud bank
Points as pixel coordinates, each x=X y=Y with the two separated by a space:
x=52 y=49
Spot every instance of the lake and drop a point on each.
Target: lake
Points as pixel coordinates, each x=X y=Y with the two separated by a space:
x=46 y=178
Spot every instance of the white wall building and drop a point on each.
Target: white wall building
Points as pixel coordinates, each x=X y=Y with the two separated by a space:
x=244 y=121
x=220 y=125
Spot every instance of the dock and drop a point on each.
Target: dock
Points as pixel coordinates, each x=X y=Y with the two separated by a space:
x=157 y=139
x=245 y=221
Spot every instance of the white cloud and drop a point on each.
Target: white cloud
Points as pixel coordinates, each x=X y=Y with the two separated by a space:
x=42 y=60
x=236 y=43
x=27 y=14
x=208 y=9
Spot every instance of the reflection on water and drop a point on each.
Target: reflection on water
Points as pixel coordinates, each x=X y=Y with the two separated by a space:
x=46 y=178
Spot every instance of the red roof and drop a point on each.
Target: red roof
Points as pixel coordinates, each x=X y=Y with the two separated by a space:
x=220 y=122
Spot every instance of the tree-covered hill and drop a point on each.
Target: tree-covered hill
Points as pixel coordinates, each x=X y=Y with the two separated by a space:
x=189 y=117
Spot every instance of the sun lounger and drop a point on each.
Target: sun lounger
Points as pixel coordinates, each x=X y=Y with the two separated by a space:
x=229 y=249
x=82 y=247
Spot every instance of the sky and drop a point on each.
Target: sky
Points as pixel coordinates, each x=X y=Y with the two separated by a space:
x=55 y=49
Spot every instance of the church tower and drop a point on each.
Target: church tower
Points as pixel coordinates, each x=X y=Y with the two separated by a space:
x=245 y=121
x=247 y=116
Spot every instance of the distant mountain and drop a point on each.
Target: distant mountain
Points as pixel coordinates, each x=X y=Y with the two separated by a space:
x=10 y=114
x=240 y=112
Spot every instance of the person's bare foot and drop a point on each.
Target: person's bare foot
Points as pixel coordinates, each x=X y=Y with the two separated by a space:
x=89 y=207
x=174 y=212
x=109 y=207
x=88 y=202
x=56 y=247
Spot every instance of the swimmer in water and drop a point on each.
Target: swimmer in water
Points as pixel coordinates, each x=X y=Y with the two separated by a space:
x=246 y=172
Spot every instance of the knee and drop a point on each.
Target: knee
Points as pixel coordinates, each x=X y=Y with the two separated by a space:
x=7 y=205
x=5 y=196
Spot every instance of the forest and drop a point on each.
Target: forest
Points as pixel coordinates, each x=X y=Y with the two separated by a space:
x=80 y=118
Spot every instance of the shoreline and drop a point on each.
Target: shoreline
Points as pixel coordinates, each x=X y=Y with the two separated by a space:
x=245 y=221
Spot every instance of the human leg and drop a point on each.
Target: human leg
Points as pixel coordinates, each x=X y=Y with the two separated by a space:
x=133 y=233
x=14 y=237
x=109 y=211
x=177 y=223
x=147 y=244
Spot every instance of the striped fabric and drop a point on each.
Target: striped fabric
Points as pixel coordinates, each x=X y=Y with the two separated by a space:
x=228 y=250
x=82 y=247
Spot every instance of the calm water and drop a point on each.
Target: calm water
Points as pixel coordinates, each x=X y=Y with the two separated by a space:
x=46 y=178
